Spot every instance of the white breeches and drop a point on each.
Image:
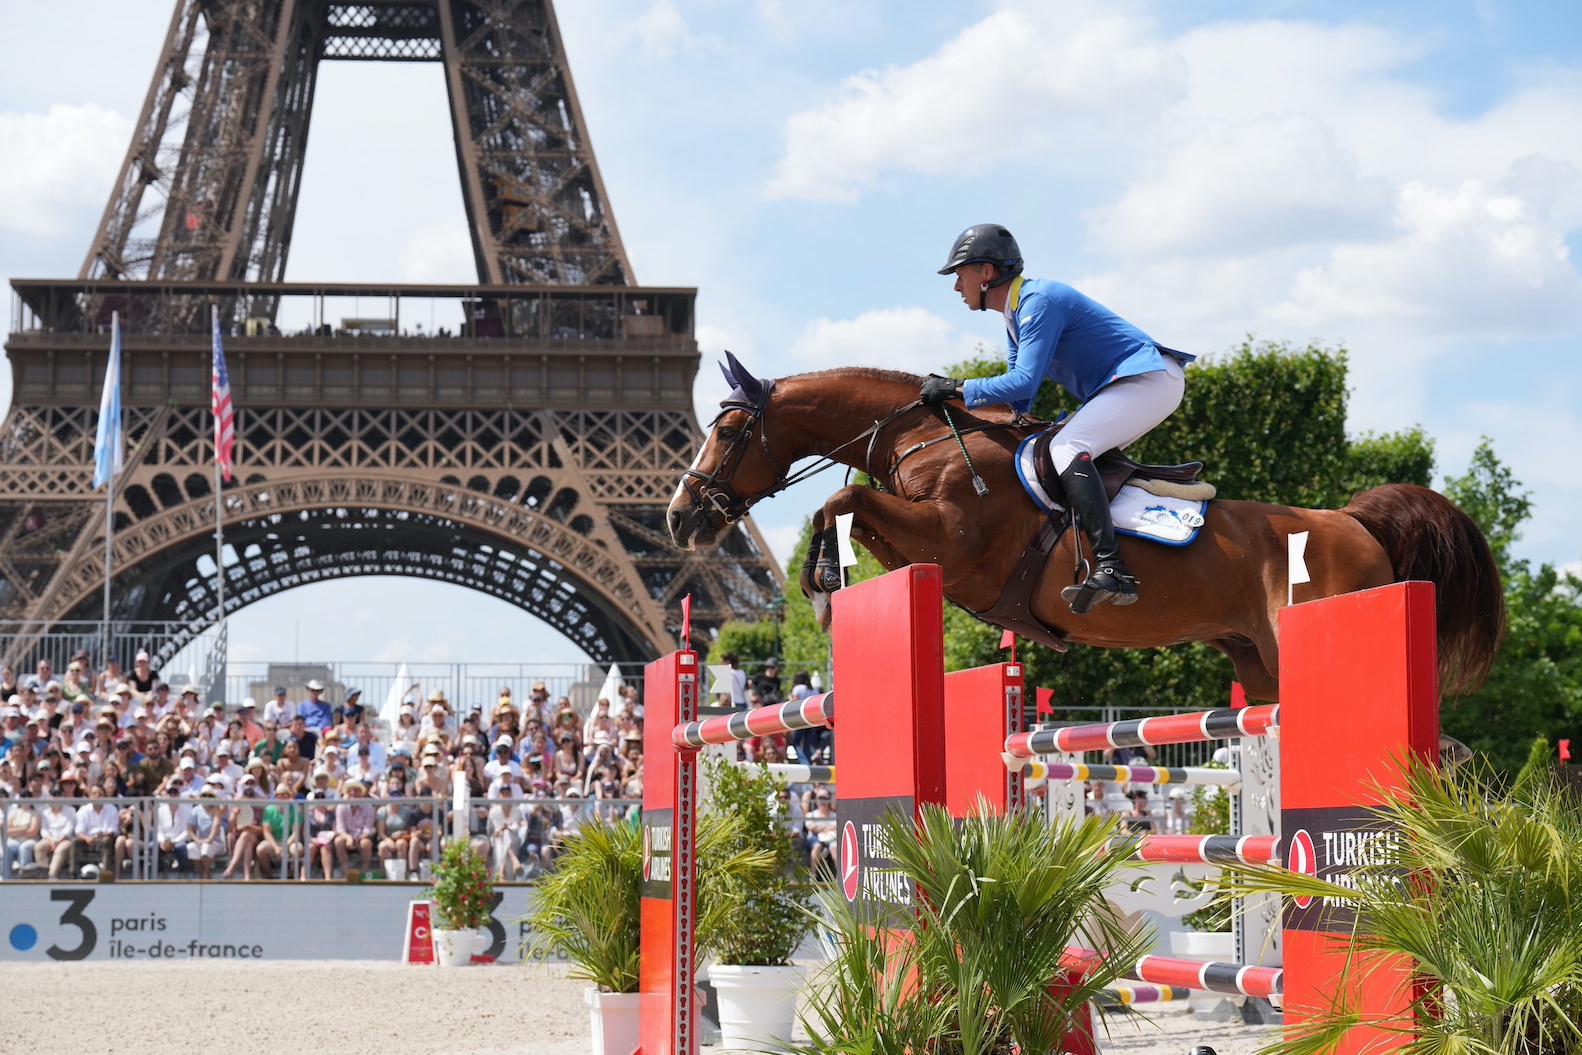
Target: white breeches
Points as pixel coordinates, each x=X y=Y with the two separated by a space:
x=1119 y=414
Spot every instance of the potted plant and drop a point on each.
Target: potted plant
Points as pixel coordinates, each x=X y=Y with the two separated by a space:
x=588 y=910
x=755 y=926
x=968 y=965
x=462 y=896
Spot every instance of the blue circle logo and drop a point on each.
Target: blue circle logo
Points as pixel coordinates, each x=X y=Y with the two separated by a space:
x=23 y=937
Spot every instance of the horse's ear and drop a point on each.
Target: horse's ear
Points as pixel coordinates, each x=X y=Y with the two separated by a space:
x=730 y=382
x=741 y=377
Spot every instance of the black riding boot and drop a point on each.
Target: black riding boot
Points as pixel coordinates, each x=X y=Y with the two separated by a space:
x=1109 y=581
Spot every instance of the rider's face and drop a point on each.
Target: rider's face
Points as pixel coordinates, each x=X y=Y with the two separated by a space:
x=970 y=282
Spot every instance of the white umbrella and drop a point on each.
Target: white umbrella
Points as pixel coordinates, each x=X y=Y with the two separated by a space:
x=391 y=711
x=611 y=690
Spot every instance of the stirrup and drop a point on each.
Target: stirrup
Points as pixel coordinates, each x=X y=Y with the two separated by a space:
x=1109 y=584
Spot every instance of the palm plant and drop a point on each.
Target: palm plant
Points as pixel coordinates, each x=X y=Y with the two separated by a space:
x=1491 y=915
x=588 y=909
x=968 y=969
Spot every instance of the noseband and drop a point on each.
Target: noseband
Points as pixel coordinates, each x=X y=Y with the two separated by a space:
x=716 y=491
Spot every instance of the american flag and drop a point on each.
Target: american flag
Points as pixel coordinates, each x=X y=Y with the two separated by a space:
x=224 y=413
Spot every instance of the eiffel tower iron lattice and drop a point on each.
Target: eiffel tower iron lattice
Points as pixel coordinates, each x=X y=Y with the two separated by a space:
x=525 y=445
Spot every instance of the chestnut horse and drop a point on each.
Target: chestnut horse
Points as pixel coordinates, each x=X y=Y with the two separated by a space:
x=1225 y=589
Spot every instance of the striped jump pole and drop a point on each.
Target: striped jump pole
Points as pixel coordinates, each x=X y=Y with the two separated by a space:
x=814 y=711
x=1203 y=849
x=1129 y=995
x=1037 y=772
x=792 y=773
x=1231 y=979
x=1220 y=724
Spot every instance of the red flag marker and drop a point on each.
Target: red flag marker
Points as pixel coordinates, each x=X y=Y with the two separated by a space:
x=1565 y=750
x=1046 y=703
x=1238 y=696
x=686 y=622
x=1008 y=641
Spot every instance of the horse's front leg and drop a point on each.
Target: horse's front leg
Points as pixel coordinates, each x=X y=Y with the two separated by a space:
x=895 y=530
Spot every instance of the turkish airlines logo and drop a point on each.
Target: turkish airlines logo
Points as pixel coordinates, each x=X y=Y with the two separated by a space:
x=850 y=864
x=1303 y=859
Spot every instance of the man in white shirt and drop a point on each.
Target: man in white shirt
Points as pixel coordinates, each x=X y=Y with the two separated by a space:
x=171 y=818
x=376 y=751
x=280 y=709
x=501 y=764
x=98 y=823
x=226 y=769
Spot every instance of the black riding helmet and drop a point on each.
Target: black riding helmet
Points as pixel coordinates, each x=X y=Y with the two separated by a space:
x=986 y=243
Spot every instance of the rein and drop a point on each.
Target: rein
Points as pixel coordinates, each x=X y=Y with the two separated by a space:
x=716 y=490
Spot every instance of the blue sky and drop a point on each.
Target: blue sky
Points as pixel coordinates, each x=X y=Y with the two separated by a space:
x=1404 y=179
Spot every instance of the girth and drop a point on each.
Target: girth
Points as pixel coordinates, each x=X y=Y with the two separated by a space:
x=1014 y=610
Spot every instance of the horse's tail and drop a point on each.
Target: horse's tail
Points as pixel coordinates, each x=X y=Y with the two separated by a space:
x=1427 y=537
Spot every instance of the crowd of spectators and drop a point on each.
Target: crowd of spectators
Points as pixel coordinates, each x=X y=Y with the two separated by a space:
x=98 y=767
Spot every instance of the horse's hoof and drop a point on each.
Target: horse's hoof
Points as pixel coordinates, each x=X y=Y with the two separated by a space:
x=827 y=578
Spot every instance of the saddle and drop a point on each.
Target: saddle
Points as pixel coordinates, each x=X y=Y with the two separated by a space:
x=1014 y=610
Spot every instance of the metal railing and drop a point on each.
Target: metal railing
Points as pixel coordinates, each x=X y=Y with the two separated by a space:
x=302 y=844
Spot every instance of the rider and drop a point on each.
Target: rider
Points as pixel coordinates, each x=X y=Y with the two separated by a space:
x=1127 y=384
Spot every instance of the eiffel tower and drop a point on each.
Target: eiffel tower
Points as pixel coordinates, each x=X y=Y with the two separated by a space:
x=524 y=445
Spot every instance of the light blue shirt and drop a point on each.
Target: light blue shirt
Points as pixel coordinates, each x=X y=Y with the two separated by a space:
x=1055 y=333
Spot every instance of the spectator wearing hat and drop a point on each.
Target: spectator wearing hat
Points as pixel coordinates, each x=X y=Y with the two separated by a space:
x=600 y=721
x=406 y=728
x=355 y=826
x=281 y=833
x=206 y=828
x=333 y=765
x=506 y=720
x=351 y=714
x=315 y=713
x=225 y=770
x=507 y=828
x=172 y=823
x=378 y=757
x=188 y=778
x=502 y=764
x=22 y=824
x=279 y=709
x=437 y=723
x=160 y=702
x=361 y=767
x=143 y=676
x=247 y=716
x=245 y=822
x=320 y=818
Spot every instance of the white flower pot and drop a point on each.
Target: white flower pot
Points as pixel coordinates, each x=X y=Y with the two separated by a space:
x=1218 y=946
x=757 y=1005
x=615 y=1021
x=454 y=948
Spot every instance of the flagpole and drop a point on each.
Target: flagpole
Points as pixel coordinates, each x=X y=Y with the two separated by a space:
x=109 y=498
x=219 y=523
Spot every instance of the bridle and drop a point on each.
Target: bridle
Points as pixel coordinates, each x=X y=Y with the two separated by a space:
x=716 y=490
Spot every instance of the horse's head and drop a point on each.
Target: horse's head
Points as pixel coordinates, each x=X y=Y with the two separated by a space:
x=734 y=467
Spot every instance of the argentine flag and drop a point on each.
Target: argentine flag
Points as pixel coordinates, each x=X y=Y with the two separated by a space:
x=107 y=455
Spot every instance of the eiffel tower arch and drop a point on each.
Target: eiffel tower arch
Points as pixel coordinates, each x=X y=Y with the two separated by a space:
x=525 y=446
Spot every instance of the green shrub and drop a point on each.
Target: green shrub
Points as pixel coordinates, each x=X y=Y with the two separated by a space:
x=463 y=891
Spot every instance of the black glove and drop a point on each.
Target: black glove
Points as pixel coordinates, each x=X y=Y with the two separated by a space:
x=937 y=389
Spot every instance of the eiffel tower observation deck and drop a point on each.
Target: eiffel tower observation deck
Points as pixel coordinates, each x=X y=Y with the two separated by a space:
x=520 y=436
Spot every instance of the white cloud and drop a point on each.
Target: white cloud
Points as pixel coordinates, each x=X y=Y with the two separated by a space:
x=438 y=253
x=938 y=115
x=1464 y=261
x=1277 y=180
x=59 y=165
x=900 y=338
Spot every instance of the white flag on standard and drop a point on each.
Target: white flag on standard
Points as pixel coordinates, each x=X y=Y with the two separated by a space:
x=108 y=457
x=1296 y=561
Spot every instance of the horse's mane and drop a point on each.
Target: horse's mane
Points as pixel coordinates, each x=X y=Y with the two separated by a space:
x=866 y=373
